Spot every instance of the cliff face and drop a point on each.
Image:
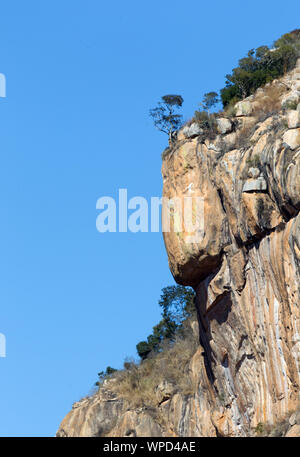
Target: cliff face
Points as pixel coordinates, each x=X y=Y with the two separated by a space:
x=245 y=271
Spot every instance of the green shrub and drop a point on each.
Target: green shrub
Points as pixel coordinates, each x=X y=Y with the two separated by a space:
x=254 y=162
x=292 y=104
x=102 y=375
x=259 y=429
x=177 y=303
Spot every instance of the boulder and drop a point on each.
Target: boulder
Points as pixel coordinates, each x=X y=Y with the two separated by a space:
x=193 y=130
x=292 y=138
x=243 y=108
x=293 y=119
x=292 y=97
x=255 y=185
x=224 y=125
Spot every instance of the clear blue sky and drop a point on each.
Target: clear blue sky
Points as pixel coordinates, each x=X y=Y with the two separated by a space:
x=81 y=77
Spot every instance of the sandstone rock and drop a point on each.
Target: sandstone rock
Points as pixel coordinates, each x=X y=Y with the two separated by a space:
x=189 y=260
x=193 y=130
x=224 y=125
x=292 y=138
x=294 y=432
x=243 y=108
x=255 y=185
x=293 y=119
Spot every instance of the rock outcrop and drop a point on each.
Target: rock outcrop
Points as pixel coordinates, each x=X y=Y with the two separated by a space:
x=245 y=270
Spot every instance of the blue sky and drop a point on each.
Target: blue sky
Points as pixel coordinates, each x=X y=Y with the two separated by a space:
x=81 y=77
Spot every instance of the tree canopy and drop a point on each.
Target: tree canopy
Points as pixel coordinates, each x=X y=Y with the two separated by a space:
x=177 y=303
x=165 y=116
x=261 y=66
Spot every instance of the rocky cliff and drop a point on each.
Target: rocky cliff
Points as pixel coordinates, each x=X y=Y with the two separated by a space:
x=245 y=271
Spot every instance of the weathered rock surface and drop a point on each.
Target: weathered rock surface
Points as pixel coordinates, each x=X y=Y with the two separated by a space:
x=294 y=432
x=224 y=125
x=245 y=268
x=192 y=130
x=243 y=108
x=255 y=185
x=292 y=138
x=293 y=119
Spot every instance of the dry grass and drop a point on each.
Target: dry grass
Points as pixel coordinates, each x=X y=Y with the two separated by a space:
x=137 y=384
x=268 y=102
x=230 y=110
x=244 y=135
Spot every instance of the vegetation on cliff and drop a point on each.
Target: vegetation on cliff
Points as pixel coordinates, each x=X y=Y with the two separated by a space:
x=141 y=383
x=178 y=311
x=259 y=67
x=165 y=116
x=177 y=303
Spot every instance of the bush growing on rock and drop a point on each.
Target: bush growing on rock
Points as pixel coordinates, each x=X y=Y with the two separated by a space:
x=102 y=375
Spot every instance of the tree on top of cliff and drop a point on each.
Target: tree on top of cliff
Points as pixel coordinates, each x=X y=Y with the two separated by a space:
x=102 y=375
x=165 y=117
x=261 y=66
x=210 y=99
